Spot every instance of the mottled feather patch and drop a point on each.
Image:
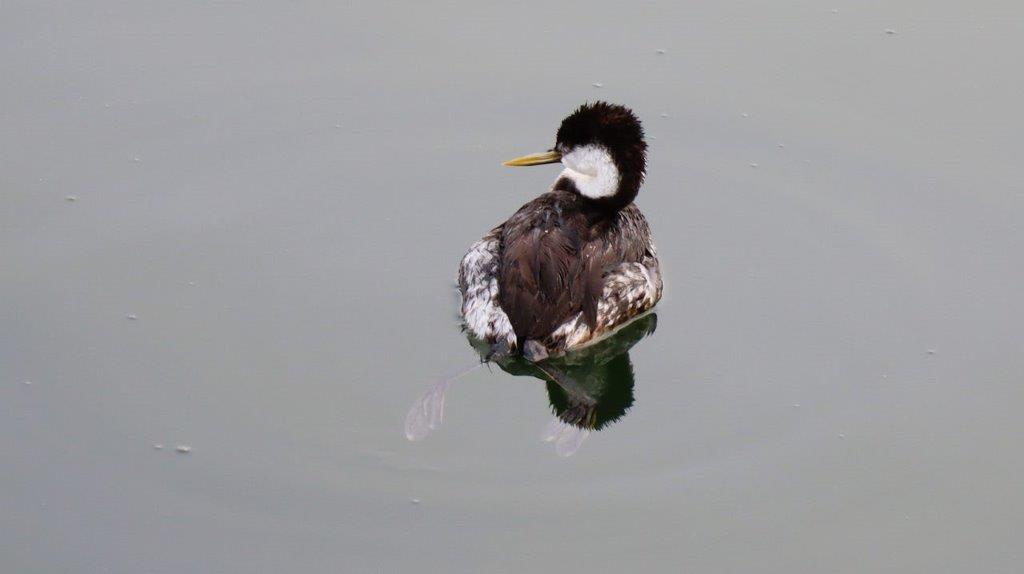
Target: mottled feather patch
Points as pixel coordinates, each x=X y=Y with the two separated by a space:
x=478 y=282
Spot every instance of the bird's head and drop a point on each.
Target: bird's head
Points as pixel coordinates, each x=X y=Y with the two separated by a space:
x=603 y=150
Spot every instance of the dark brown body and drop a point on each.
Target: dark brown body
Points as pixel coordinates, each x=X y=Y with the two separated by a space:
x=555 y=253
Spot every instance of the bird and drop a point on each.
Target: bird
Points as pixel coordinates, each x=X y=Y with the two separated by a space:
x=576 y=263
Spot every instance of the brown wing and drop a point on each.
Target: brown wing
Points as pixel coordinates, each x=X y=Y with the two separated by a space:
x=553 y=259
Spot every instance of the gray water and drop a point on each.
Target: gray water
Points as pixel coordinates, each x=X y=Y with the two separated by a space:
x=279 y=197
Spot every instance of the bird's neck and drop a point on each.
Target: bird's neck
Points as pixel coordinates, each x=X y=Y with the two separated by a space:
x=601 y=191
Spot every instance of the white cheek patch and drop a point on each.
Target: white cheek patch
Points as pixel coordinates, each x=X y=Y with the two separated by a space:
x=591 y=168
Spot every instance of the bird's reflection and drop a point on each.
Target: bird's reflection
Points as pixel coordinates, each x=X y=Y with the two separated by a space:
x=588 y=389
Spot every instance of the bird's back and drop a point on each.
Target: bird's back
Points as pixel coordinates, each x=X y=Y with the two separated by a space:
x=553 y=255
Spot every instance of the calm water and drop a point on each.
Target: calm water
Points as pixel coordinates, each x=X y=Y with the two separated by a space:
x=280 y=197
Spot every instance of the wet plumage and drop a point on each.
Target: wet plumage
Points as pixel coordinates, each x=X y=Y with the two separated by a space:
x=577 y=262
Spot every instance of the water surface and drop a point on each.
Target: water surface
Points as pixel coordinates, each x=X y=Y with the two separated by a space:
x=280 y=197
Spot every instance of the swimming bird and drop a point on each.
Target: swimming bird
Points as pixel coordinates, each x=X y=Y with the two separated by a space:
x=576 y=263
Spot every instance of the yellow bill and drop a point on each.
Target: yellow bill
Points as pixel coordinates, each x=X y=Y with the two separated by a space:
x=535 y=159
